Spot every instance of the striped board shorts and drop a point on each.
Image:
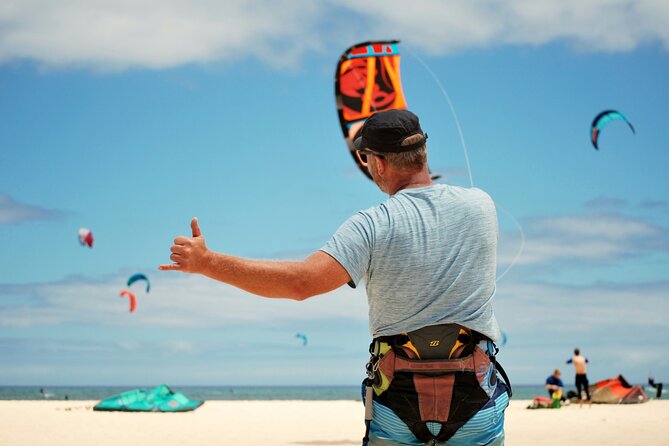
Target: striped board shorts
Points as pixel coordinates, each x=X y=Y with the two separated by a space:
x=486 y=427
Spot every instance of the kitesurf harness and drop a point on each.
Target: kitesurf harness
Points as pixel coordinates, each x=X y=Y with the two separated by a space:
x=437 y=374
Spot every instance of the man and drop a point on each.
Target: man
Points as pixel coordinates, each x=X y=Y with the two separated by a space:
x=554 y=383
x=581 y=374
x=428 y=258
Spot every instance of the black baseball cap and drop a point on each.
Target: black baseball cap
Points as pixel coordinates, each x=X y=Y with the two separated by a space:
x=384 y=132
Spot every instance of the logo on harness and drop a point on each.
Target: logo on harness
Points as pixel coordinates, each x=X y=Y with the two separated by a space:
x=434 y=343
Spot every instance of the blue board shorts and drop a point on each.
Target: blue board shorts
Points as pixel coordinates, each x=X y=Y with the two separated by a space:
x=486 y=427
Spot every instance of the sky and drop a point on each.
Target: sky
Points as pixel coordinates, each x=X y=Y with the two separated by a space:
x=132 y=117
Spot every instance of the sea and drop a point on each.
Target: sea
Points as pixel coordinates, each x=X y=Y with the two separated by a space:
x=259 y=393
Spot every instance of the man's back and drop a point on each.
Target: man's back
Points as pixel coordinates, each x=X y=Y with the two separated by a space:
x=428 y=256
x=579 y=364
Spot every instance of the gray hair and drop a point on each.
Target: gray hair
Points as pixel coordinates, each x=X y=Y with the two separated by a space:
x=412 y=160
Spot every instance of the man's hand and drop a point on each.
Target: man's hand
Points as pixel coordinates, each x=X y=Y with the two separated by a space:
x=189 y=254
x=318 y=274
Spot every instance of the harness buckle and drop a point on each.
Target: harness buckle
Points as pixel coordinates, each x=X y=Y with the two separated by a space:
x=372 y=366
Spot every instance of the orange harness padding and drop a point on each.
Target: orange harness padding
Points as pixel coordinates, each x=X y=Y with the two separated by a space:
x=438 y=374
x=434 y=381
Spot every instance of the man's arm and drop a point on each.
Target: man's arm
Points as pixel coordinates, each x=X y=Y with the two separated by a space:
x=318 y=274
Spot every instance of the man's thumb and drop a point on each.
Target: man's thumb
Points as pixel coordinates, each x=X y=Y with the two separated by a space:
x=195 y=228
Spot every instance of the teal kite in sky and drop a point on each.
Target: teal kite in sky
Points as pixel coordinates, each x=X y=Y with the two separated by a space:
x=140 y=276
x=602 y=120
x=303 y=337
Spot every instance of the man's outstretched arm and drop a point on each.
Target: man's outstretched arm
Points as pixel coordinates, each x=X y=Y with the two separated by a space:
x=318 y=274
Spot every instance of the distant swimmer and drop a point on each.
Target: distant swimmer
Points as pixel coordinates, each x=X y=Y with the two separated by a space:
x=581 y=374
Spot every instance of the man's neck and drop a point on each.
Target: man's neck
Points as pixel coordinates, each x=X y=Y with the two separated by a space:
x=420 y=179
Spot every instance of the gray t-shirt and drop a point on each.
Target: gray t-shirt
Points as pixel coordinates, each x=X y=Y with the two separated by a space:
x=428 y=256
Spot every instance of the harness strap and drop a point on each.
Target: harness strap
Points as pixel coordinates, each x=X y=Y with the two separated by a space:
x=369 y=395
x=501 y=371
x=372 y=366
x=434 y=367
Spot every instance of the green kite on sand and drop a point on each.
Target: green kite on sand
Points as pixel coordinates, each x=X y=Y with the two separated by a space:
x=158 y=399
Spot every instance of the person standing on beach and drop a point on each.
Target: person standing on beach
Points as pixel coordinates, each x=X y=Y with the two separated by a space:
x=581 y=374
x=428 y=258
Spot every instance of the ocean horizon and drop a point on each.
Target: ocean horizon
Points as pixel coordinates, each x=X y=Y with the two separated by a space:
x=222 y=392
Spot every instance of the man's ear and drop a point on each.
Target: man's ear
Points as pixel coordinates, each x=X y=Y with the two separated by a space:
x=381 y=165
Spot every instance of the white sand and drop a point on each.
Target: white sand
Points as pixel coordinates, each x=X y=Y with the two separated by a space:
x=306 y=423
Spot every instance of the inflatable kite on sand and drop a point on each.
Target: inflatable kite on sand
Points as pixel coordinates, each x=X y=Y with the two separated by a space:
x=159 y=399
x=617 y=391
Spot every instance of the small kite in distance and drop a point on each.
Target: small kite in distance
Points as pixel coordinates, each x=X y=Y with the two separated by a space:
x=504 y=340
x=86 y=237
x=139 y=276
x=133 y=300
x=303 y=337
x=602 y=120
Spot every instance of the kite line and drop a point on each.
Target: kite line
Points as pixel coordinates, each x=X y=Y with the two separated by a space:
x=521 y=248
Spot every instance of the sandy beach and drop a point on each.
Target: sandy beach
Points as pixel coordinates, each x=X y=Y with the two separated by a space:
x=307 y=423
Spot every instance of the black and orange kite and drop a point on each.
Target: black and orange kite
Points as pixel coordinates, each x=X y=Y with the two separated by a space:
x=367 y=80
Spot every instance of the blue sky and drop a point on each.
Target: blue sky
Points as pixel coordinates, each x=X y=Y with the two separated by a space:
x=132 y=120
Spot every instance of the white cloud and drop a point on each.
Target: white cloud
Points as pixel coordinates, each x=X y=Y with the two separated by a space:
x=156 y=34
x=543 y=321
x=445 y=26
x=590 y=237
x=654 y=204
x=175 y=300
x=620 y=327
x=603 y=202
x=606 y=226
x=598 y=308
x=80 y=331
x=12 y=211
